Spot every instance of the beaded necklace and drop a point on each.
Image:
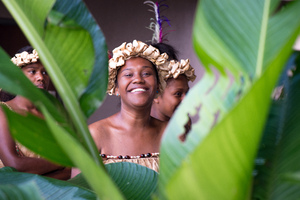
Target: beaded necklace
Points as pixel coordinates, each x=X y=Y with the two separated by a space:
x=147 y=155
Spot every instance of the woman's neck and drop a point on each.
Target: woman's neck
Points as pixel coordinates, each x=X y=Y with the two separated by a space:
x=158 y=115
x=136 y=117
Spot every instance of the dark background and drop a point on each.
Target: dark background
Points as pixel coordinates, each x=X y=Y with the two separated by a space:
x=122 y=21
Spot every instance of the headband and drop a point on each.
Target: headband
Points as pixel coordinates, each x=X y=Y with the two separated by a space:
x=176 y=68
x=25 y=58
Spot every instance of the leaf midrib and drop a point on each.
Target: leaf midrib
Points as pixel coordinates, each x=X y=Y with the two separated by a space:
x=262 y=38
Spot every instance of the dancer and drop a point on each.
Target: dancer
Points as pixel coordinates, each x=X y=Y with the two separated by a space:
x=12 y=153
x=132 y=135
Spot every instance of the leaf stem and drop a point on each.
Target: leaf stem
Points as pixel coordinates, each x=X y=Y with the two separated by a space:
x=262 y=38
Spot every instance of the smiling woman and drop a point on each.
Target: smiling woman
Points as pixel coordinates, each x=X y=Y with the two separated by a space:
x=132 y=135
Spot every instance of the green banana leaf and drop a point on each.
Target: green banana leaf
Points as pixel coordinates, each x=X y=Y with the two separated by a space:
x=96 y=176
x=232 y=34
x=247 y=38
x=60 y=39
x=28 y=190
x=208 y=99
x=94 y=93
x=67 y=22
x=135 y=182
x=221 y=166
x=277 y=164
x=37 y=131
x=18 y=185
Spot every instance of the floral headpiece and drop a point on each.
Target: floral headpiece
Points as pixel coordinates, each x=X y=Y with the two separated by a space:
x=176 y=68
x=130 y=50
x=25 y=58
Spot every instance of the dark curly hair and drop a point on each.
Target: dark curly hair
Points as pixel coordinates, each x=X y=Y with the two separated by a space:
x=166 y=48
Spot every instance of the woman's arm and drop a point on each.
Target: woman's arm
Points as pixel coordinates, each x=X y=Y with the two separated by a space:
x=10 y=157
x=61 y=174
x=75 y=172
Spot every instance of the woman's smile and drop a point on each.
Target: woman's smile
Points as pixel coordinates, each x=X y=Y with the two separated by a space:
x=138 y=90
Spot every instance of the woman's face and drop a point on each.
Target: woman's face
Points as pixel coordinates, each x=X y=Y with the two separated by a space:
x=172 y=96
x=37 y=74
x=137 y=82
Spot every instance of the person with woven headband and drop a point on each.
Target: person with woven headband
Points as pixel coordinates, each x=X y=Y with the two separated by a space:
x=132 y=135
x=20 y=59
x=12 y=153
x=177 y=74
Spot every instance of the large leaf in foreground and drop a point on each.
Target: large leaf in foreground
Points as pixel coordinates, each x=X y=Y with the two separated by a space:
x=82 y=43
x=229 y=150
x=18 y=185
x=73 y=39
x=278 y=159
x=232 y=34
x=211 y=98
x=134 y=181
x=94 y=92
x=221 y=166
x=104 y=186
x=37 y=131
x=24 y=191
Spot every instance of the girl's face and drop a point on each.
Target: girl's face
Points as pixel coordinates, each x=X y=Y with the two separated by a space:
x=37 y=74
x=172 y=96
x=137 y=82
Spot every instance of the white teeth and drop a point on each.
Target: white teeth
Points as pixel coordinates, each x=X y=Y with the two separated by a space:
x=138 y=90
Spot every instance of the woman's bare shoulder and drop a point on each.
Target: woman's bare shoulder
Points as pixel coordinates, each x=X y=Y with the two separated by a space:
x=100 y=130
x=99 y=127
x=97 y=131
x=97 y=123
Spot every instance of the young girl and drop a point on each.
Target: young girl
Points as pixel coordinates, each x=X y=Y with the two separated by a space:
x=177 y=76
